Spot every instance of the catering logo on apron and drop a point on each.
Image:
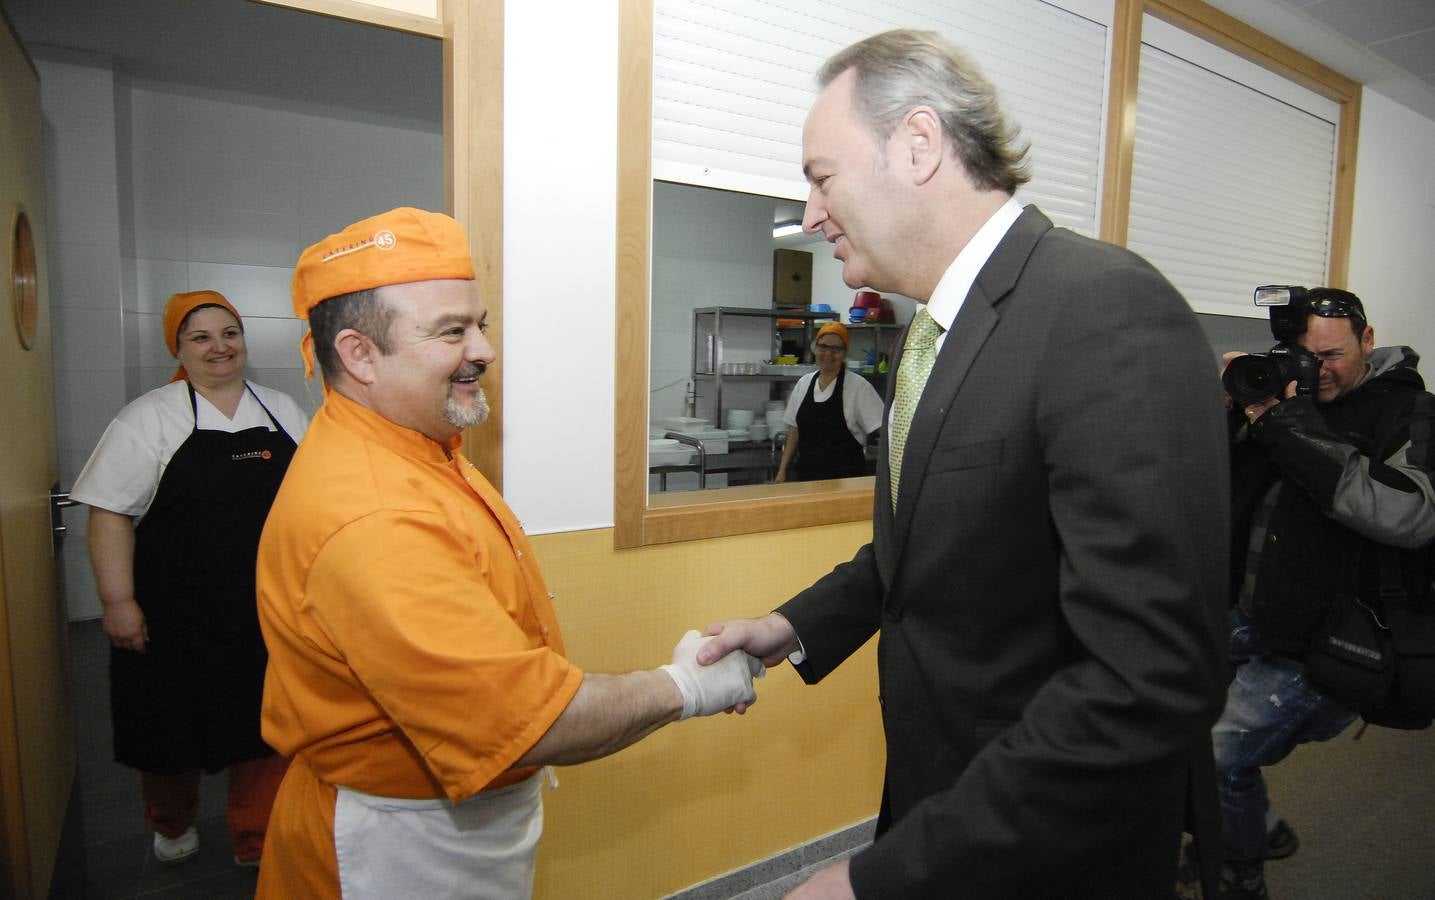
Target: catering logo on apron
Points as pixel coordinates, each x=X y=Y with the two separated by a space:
x=252 y=454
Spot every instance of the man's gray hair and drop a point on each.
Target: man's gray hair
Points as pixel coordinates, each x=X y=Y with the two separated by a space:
x=897 y=71
x=364 y=311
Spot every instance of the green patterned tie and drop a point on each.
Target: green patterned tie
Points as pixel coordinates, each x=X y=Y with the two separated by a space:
x=918 y=355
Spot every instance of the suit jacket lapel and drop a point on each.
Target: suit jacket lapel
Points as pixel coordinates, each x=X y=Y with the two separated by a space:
x=974 y=323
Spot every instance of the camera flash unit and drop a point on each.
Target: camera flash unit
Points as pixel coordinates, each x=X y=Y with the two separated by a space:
x=1275 y=295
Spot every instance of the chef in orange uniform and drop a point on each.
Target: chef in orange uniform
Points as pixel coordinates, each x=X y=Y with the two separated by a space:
x=416 y=672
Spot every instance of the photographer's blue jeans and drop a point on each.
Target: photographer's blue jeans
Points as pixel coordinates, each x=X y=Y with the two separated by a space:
x=1271 y=709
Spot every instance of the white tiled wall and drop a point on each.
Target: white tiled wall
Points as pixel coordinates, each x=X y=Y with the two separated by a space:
x=691 y=270
x=81 y=186
x=153 y=191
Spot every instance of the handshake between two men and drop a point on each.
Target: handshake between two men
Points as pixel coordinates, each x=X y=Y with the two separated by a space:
x=714 y=671
x=708 y=674
x=725 y=684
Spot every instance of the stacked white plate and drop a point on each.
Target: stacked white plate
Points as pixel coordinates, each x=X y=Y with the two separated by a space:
x=685 y=424
x=775 y=425
x=737 y=419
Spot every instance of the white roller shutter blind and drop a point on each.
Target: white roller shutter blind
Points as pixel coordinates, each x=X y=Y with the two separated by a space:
x=733 y=80
x=1233 y=174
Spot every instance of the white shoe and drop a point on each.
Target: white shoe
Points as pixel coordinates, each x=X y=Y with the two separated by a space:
x=173 y=851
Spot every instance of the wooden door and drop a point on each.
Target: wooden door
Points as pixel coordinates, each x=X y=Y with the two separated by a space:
x=37 y=752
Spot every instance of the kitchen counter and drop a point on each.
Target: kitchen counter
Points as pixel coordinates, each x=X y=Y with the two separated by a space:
x=745 y=462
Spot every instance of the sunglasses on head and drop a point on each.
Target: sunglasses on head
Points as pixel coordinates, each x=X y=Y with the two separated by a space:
x=1337 y=308
x=1289 y=305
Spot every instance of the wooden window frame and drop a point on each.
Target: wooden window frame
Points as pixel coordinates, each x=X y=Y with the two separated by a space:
x=1229 y=33
x=640 y=520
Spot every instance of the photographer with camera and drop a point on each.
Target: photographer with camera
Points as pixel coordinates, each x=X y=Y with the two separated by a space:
x=1333 y=509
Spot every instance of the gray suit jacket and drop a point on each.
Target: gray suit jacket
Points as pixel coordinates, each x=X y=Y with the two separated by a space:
x=1050 y=591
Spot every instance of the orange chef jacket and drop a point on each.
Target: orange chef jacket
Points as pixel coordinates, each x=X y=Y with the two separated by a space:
x=413 y=647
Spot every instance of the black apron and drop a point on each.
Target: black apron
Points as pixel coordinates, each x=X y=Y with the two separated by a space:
x=825 y=448
x=192 y=700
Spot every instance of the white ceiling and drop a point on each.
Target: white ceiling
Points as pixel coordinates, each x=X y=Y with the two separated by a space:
x=1400 y=31
x=252 y=49
x=260 y=50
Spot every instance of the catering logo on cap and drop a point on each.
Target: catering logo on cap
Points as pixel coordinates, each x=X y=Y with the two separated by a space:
x=383 y=239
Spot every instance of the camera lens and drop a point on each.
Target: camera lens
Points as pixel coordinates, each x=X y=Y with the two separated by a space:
x=1252 y=378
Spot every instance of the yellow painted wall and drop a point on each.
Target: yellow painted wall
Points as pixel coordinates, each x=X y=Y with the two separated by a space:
x=704 y=796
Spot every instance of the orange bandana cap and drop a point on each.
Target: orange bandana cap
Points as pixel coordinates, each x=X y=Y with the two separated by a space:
x=836 y=328
x=180 y=305
x=396 y=247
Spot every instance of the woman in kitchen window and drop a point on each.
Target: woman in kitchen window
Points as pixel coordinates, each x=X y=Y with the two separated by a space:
x=829 y=415
x=178 y=489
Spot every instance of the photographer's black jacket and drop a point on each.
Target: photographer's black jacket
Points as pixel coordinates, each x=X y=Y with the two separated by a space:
x=1318 y=488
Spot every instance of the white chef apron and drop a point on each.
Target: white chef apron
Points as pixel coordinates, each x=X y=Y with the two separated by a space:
x=480 y=848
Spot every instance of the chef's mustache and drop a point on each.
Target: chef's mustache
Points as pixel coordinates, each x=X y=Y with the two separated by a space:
x=470 y=370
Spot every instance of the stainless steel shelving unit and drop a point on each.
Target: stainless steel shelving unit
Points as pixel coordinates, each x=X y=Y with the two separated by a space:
x=709 y=344
x=709 y=341
x=711 y=336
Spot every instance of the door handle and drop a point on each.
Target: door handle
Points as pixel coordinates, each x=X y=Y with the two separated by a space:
x=59 y=500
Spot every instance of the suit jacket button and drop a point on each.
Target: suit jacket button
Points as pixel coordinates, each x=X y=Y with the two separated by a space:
x=894 y=612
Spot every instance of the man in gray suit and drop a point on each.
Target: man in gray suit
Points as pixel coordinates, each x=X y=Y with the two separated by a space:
x=1049 y=547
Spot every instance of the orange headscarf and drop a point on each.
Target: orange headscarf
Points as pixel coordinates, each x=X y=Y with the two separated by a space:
x=396 y=247
x=180 y=305
x=836 y=328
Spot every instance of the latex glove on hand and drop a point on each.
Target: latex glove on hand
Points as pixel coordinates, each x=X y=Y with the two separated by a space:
x=710 y=689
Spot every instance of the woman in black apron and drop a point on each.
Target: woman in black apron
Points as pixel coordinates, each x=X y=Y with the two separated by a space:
x=187 y=667
x=827 y=448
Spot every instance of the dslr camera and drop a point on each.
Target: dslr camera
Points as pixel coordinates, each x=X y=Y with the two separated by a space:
x=1257 y=377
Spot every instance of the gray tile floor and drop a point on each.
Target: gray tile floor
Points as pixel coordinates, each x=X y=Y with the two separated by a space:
x=776 y=889
x=117 y=861
x=770 y=879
